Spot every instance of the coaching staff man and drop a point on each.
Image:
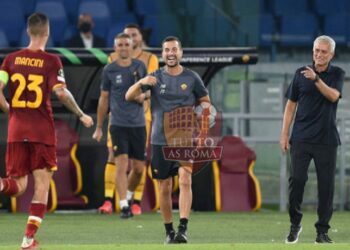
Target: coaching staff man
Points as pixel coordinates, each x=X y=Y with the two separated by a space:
x=313 y=97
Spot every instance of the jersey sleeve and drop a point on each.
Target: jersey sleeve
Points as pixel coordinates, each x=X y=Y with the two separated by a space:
x=339 y=81
x=143 y=70
x=153 y=64
x=56 y=78
x=292 y=92
x=199 y=89
x=105 y=82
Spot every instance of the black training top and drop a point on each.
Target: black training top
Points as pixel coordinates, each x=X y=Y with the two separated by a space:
x=315 y=119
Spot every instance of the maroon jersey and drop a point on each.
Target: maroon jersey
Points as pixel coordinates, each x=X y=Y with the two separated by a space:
x=32 y=77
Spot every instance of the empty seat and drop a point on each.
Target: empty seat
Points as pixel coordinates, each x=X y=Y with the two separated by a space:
x=3 y=40
x=267 y=29
x=335 y=26
x=151 y=7
x=118 y=7
x=213 y=32
x=68 y=178
x=325 y=7
x=27 y=6
x=298 y=30
x=100 y=13
x=71 y=7
x=11 y=20
x=58 y=18
x=290 y=7
x=162 y=26
x=236 y=187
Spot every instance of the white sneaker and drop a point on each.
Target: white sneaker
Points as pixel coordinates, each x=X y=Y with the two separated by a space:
x=29 y=244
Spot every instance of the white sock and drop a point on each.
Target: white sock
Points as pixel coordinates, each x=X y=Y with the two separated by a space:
x=129 y=195
x=123 y=203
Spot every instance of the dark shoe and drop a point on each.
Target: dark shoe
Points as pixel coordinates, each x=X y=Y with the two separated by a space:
x=293 y=235
x=170 y=238
x=181 y=236
x=126 y=213
x=323 y=238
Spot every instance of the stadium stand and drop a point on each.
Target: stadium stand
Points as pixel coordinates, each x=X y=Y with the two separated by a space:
x=3 y=40
x=335 y=25
x=162 y=26
x=100 y=13
x=267 y=32
x=298 y=30
x=28 y=6
x=250 y=23
x=288 y=7
x=58 y=18
x=11 y=22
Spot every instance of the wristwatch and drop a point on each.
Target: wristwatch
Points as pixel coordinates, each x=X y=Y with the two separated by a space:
x=316 y=78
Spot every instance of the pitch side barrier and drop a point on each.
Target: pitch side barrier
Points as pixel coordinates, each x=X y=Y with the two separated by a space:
x=83 y=67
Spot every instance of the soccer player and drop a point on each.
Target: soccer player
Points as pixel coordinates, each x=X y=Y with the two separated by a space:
x=313 y=97
x=172 y=87
x=151 y=62
x=127 y=121
x=32 y=75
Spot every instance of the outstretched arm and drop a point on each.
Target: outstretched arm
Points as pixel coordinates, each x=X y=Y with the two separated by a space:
x=67 y=99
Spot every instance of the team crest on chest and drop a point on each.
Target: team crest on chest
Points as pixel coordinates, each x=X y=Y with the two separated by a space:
x=183 y=86
x=162 y=89
x=118 y=79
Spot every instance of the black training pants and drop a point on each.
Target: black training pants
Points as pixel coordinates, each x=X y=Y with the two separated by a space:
x=324 y=157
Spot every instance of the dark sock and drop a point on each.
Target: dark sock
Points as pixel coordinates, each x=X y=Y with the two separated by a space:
x=183 y=223
x=168 y=227
x=137 y=202
x=109 y=199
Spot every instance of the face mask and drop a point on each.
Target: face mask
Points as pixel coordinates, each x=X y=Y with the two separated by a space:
x=85 y=27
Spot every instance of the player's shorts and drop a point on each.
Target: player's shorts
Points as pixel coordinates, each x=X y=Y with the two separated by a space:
x=162 y=168
x=129 y=140
x=24 y=157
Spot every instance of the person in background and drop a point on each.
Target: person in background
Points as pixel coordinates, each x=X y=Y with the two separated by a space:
x=313 y=97
x=151 y=62
x=127 y=121
x=85 y=38
x=32 y=75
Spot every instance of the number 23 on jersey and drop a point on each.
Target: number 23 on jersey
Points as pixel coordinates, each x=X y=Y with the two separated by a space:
x=31 y=84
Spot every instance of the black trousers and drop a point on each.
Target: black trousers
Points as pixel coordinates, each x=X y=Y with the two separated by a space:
x=324 y=157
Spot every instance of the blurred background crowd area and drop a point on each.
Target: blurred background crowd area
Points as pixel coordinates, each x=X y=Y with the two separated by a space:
x=277 y=27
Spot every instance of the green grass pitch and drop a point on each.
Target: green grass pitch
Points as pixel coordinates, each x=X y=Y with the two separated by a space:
x=207 y=230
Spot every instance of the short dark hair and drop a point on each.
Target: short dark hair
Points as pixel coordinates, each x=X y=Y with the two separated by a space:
x=133 y=26
x=170 y=39
x=37 y=23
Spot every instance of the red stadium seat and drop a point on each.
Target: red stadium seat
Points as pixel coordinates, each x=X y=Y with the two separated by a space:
x=236 y=187
x=67 y=181
x=68 y=178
